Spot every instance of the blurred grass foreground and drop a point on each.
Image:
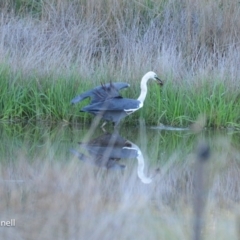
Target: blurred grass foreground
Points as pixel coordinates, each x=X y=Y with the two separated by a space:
x=51 y=194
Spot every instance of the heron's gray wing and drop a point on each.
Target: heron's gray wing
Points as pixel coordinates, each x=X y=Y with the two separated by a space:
x=108 y=91
x=121 y=85
x=82 y=96
x=101 y=93
x=114 y=104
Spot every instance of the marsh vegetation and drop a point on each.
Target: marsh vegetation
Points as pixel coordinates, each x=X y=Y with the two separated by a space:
x=52 y=50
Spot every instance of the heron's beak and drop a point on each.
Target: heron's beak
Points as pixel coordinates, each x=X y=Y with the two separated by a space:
x=159 y=81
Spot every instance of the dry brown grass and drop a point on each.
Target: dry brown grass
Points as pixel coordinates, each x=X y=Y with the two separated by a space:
x=181 y=39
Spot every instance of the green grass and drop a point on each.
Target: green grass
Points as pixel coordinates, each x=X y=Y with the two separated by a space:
x=34 y=98
x=38 y=99
x=183 y=104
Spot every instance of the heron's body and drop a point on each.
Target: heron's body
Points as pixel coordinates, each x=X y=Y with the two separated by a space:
x=113 y=110
x=106 y=151
x=99 y=161
x=108 y=104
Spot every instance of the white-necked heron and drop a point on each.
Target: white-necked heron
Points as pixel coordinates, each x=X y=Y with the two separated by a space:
x=107 y=102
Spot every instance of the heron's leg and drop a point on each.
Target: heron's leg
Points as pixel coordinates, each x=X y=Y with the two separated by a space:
x=103 y=124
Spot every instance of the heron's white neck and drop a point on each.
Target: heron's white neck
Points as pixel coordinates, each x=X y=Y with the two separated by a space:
x=143 y=93
x=140 y=170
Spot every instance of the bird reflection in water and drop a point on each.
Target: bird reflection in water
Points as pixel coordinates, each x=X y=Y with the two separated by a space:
x=107 y=150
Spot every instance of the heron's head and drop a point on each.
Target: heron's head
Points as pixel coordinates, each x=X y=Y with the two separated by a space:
x=155 y=77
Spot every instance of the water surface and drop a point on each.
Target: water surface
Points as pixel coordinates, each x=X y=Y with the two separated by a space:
x=53 y=142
